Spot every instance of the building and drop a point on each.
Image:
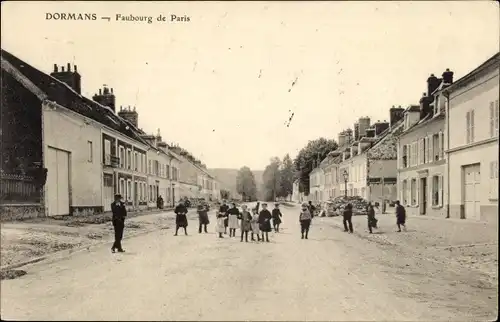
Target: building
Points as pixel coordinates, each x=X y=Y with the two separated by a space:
x=62 y=152
x=316 y=184
x=471 y=144
x=367 y=160
x=197 y=182
x=421 y=161
x=331 y=170
x=295 y=191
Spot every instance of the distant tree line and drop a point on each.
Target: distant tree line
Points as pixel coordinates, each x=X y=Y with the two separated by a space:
x=278 y=178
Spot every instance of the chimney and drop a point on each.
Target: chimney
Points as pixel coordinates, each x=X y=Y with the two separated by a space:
x=100 y=91
x=432 y=84
x=364 y=124
x=356 y=131
x=341 y=140
x=348 y=136
x=133 y=117
x=425 y=108
x=395 y=115
x=72 y=79
x=76 y=69
x=380 y=127
x=106 y=98
x=370 y=133
x=448 y=76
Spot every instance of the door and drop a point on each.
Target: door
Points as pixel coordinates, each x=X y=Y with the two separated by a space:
x=472 y=197
x=58 y=182
x=136 y=194
x=108 y=191
x=423 y=196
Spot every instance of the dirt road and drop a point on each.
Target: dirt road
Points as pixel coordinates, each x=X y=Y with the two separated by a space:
x=331 y=276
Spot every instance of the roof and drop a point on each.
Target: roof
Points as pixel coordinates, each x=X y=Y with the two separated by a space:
x=386 y=147
x=64 y=95
x=492 y=61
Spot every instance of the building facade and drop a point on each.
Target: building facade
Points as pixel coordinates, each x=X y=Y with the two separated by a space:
x=421 y=160
x=472 y=144
x=316 y=183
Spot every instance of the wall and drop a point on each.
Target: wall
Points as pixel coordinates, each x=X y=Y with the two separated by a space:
x=483 y=154
x=383 y=168
x=476 y=95
x=66 y=130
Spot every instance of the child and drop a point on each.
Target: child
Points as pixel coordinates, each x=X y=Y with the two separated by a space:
x=221 y=216
x=254 y=224
x=265 y=222
x=233 y=215
x=276 y=218
x=246 y=218
x=180 y=218
x=305 y=220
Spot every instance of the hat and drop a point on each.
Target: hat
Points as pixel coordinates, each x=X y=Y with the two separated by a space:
x=304 y=204
x=118 y=196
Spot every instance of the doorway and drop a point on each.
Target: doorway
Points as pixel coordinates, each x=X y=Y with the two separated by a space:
x=423 y=196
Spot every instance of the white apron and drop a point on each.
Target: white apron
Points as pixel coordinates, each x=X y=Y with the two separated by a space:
x=233 y=222
x=219 y=228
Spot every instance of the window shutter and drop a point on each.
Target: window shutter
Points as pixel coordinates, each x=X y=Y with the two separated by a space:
x=441 y=190
x=431 y=149
x=472 y=126
x=492 y=119
x=440 y=144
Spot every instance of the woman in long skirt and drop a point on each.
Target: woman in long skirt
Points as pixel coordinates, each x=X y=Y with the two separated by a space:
x=246 y=218
x=234 y=214
x=265 y=222
x=180 y=218
x=221 y=216
x=254 y=224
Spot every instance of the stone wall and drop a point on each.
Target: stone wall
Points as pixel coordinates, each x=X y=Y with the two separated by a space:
x=21 y=212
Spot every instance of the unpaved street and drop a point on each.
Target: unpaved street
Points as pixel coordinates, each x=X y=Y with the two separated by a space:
x=331 y=276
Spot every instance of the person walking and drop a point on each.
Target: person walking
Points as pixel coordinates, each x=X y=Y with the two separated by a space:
x=181 y=218
x=311 y=207
x=203 y=216
x=372 y=221
x=233 y=215
x=224 y=209
x=276 y=213
x=348 y=218
x=119 y=213
x=159 y=202
x=305 y=218
x=400 y=216
x=254 y=224
x=265 y=222
x=246 y=218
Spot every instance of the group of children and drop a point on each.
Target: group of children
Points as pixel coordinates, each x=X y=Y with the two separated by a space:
x=258 y=224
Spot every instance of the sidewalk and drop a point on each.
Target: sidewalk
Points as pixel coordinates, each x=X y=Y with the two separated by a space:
x=31 y=241
x=473 y=245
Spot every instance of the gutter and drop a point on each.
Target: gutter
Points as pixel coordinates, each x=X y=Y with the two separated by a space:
x=447 y=124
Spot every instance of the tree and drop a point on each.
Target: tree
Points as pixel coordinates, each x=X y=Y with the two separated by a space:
x=245 y=184
x=271 y=178
x=309 y=157
x=286 y=177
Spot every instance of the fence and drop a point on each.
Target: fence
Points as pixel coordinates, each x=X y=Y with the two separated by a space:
x=18 y=189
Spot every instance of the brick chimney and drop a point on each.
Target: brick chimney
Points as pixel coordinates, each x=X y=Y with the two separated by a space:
x=105 y=97
x=380 y=127
x=432 y=84
x=448 y=76
x=425 y=108
x=395 y=115
x=130 y=115
x=364 y=124
x=70 y=77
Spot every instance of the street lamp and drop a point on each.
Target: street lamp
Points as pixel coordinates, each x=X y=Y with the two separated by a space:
x=346 y=176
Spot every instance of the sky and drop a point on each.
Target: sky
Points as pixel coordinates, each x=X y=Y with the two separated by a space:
x=220 y=85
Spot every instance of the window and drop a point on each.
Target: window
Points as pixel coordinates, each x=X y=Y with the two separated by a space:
x=435 y=147
x=129 y=159
x=437 y=191
x=150 y=193
x=493 y=193
x=122 y=157
x=143 y=164
x=107 y=152
x=404 y=193
x=129 y=190
x=122 y=187
x=168 y=171
x=90 y=151
x=150 y=170
x=405 y=156
x=413 y=192
x=494 y=119
x=421 y=149
x=136 y=161
x=469 y=126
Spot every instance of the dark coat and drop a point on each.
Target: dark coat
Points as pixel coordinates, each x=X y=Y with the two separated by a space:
x=372 y=221
x=347 y=213
x=119 y=211
x=224 y=209
x=181 y=218
x=203 y=215
x=265 y=220
x=276 y=213
x=400 y=214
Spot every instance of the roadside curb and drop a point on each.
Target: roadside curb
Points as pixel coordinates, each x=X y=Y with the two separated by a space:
x=62 y=254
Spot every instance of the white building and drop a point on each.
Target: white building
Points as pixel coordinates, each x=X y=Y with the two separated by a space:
x=472 y=144
x=316 y=184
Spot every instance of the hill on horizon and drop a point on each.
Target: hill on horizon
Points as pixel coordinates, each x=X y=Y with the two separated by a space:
x=227 y=178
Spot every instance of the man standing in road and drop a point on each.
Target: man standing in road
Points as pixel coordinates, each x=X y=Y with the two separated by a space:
x=372 y=221
x=119 y=214
x=348 y=218
x=181 y=218
x=400 y=216
x=312 y=209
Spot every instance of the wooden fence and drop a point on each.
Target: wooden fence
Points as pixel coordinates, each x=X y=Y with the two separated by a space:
x=18 y=189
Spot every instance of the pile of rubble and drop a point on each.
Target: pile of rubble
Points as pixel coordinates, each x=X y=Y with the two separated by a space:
x=358 y=204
